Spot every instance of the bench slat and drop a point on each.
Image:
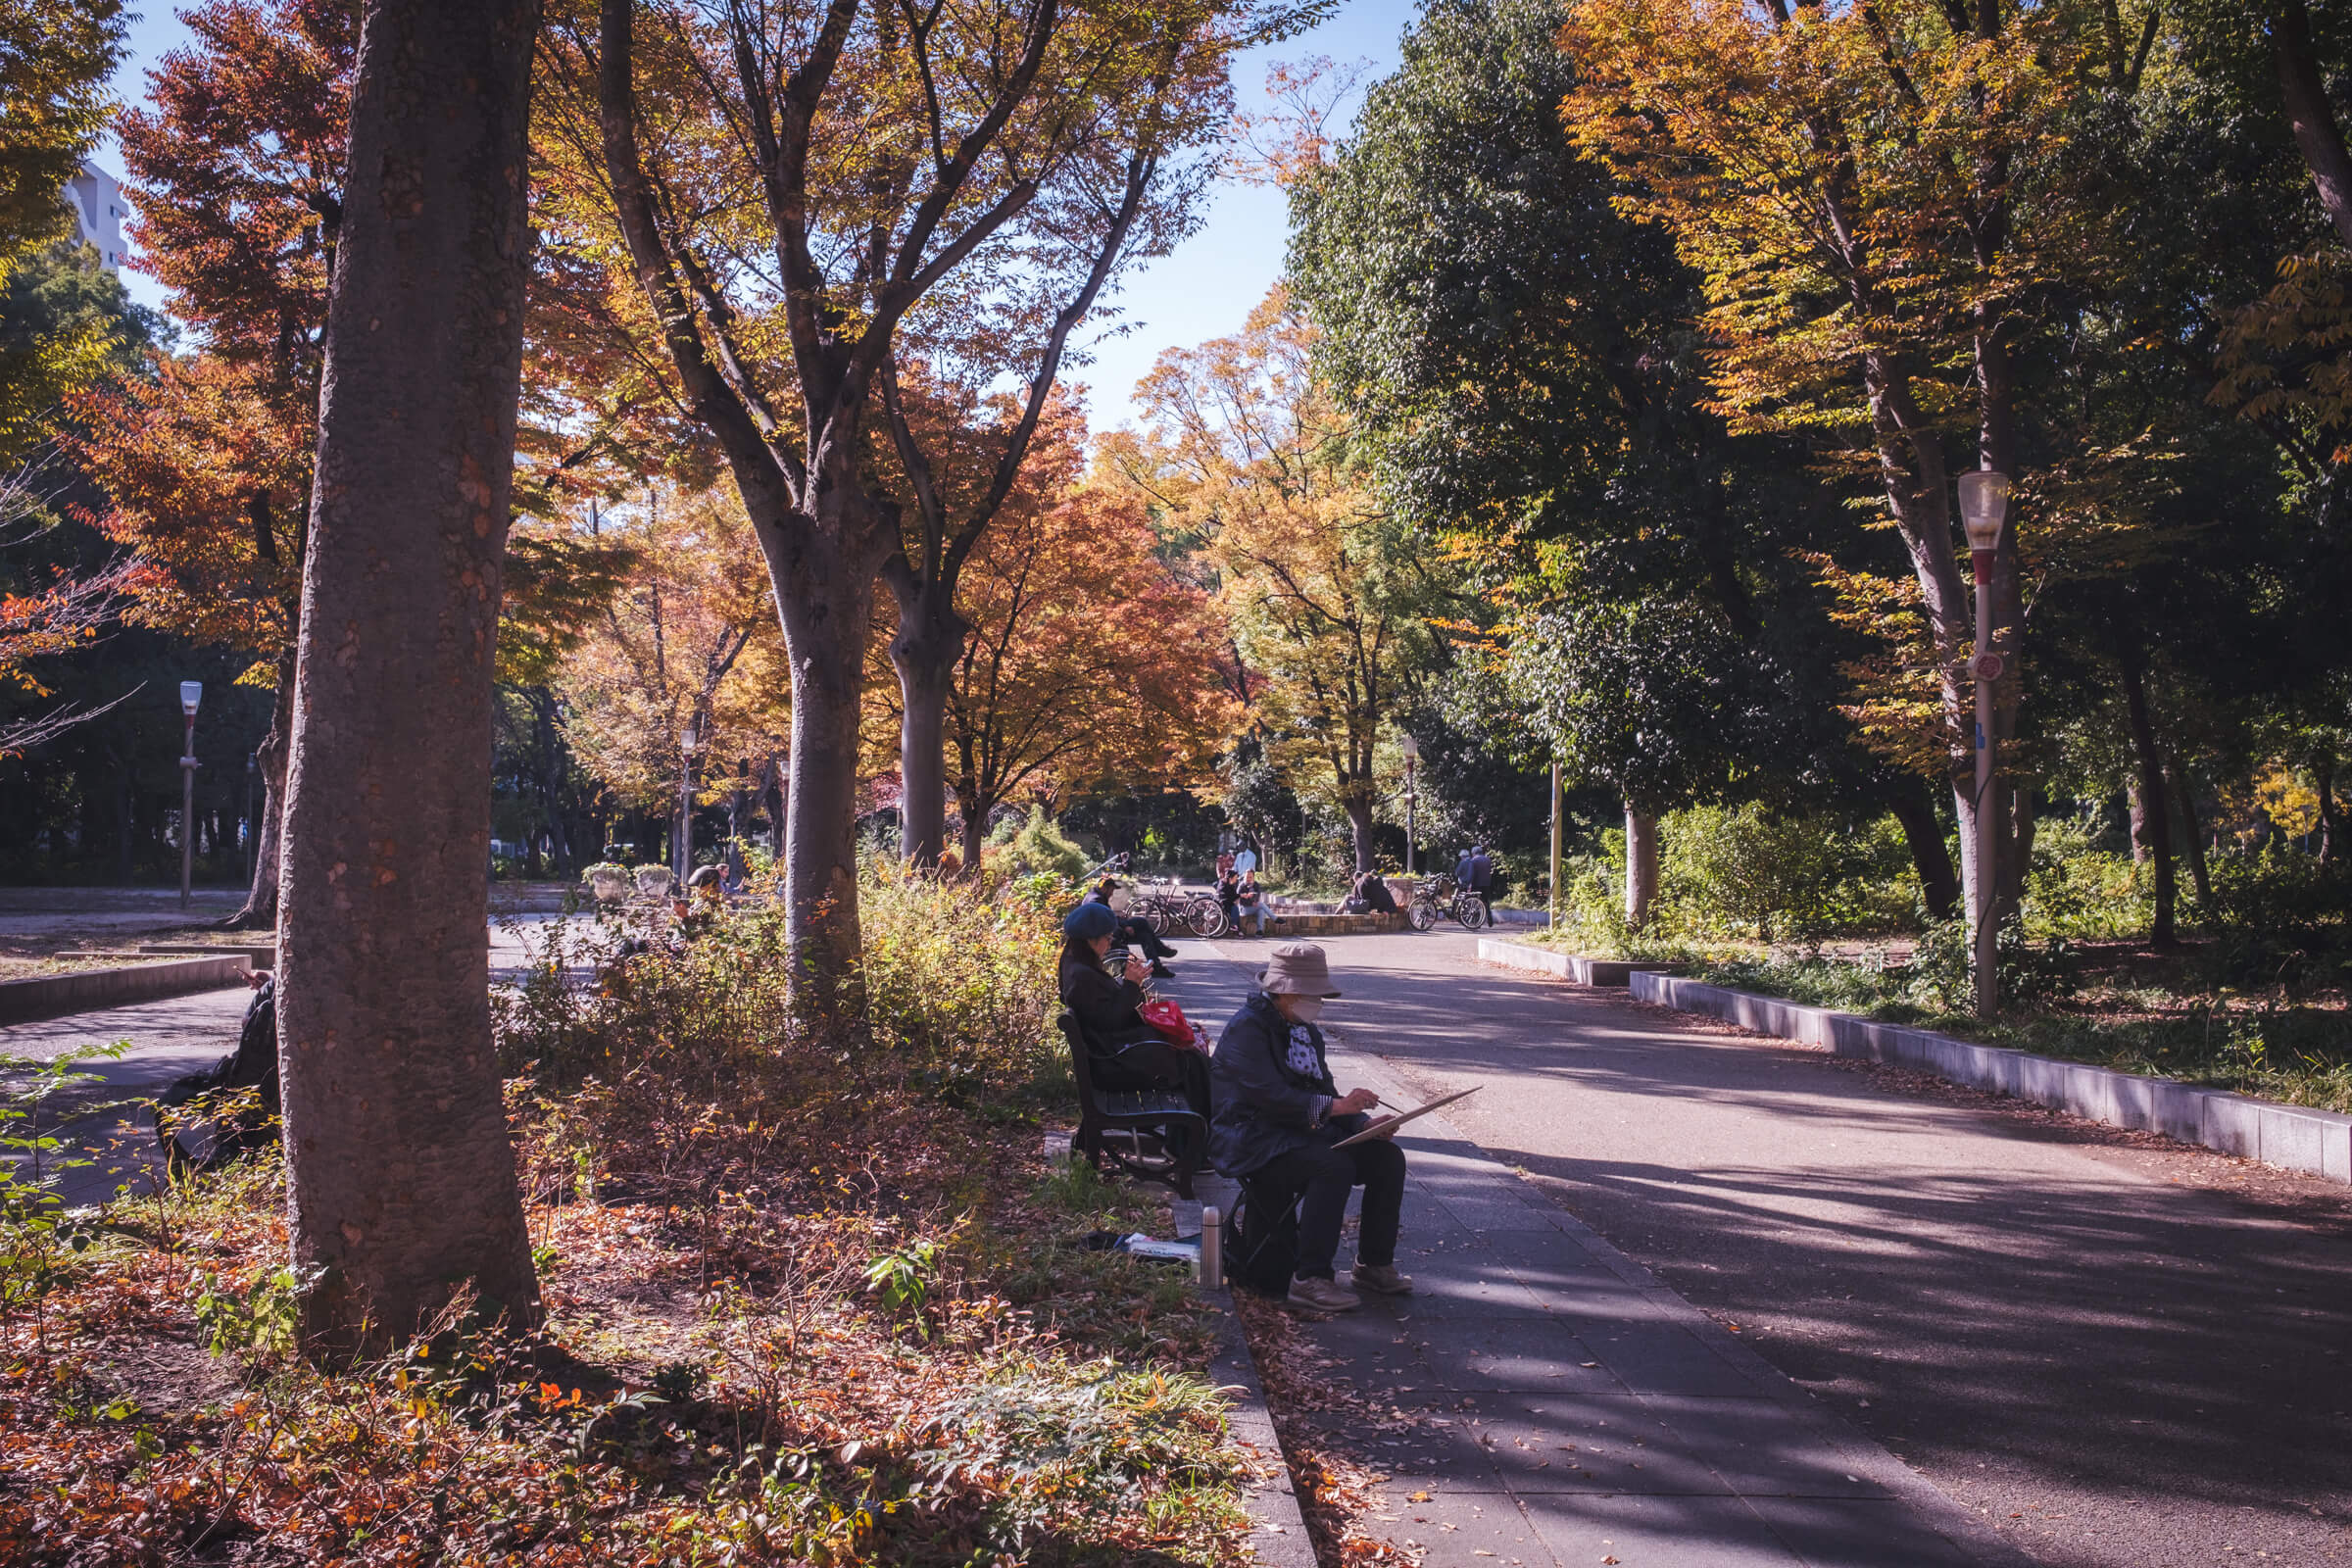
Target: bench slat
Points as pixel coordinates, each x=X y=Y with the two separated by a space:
x=1142 y=1102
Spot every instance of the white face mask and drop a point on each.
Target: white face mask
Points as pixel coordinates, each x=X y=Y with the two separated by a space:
x=1305 y=1010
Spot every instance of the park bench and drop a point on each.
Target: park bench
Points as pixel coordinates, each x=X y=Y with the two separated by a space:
x=1151 y=1134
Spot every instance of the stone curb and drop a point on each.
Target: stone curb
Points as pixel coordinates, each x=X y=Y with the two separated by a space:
x=53 y=996
x=1280 y=1539
x=1567 y=965
x=2318 y=1143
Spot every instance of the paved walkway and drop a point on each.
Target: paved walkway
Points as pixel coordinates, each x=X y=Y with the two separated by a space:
x=2099 y=1348
x=1573 y=1409
x=168 y=1039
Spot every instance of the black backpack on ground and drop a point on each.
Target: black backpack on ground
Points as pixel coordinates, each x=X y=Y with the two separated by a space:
x=1263 y=1253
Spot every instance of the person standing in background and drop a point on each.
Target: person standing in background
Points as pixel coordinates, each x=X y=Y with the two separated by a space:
x=1481 y=879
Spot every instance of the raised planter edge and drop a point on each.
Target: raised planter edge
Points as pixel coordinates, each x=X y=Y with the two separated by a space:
x=53 y=996
x=1576 y=966
x=2297 y=1138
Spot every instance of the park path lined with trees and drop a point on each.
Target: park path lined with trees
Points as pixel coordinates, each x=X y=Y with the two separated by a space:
x=603 y=418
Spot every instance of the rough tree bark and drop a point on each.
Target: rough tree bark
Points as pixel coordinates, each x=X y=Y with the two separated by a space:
x=1641 y=866
x=2303 y=92
x=2152 y=831
x=924 y=652
x=400 y=1176
x=1922 y=833
x=2193 y=833
x=1360 y=832
x=269 y=759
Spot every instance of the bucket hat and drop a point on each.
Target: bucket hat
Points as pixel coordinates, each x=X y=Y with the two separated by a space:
x=1296 y=969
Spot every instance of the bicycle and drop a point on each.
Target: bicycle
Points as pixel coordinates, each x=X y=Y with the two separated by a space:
x=1443 y=896
x=1205 y=917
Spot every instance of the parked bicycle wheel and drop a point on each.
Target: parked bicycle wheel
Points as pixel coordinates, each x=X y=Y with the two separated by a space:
x=1468 y=911
x=1205 y=917
x=1421 y=913
x=1159 y=916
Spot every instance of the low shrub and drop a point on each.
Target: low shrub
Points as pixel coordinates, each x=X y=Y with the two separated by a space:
x=1036 y=844
x=1781 y=875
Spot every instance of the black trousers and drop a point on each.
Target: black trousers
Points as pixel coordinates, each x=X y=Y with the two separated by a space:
x=1324 y=1174
x=1138 y=933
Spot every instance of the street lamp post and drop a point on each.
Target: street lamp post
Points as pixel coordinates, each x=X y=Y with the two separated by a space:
x=1983 y=503
x=688 y=740
x=1411 y=749
x=191 y=692
x=1551 y=908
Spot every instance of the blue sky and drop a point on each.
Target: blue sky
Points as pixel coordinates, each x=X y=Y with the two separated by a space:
x=1204 y=290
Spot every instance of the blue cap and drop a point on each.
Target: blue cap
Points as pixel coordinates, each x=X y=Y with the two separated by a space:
x=1089 y=921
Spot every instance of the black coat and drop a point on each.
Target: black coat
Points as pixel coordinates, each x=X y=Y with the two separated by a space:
x=1263 y=1103
x=1104 y=1006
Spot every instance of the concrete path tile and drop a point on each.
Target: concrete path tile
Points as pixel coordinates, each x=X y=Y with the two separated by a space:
x=1443 y=1294
x=1487 y=1530
x=1518 y=1355
x=1649 y=1532
x=1491 y=1214
x=1661 y=1358
x=1579 y=1443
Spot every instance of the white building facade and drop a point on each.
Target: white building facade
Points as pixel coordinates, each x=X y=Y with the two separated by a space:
x=98 y=212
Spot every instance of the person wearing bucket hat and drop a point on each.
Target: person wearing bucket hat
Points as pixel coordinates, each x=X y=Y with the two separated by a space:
x=1123 y=1052
x=1275 y=1116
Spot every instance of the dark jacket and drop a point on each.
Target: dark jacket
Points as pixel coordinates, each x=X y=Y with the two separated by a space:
x=1262 y=1104
x=1104 y=1006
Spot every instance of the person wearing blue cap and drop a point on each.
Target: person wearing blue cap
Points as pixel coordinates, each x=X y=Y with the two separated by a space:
x=1123 y=1050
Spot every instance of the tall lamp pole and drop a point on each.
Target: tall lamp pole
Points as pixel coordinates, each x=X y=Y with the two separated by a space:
x=1552 y=909
x=1984 y=504
x=191 y=692
x=1411 y=749
x=688 y=740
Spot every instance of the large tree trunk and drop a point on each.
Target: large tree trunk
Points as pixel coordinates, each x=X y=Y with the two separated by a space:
x=400 y=1176
x=2152 y=830
x=2303 y=92
x=924 y=652
x=261 y=903
x=975 y=828
x=2136 y=812
x=1931 y=860
x=1359 y=831
x=1641 y=866
x=824 y=597
x=2193 y=832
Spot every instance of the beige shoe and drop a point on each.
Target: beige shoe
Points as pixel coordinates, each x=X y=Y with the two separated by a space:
x=1380 y=1277
x=1323 y=1295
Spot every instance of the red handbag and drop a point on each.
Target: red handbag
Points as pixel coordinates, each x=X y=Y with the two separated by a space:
x=1168 y=1020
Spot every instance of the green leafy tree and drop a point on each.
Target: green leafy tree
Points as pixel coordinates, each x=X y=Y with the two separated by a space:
x=1523 y=361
